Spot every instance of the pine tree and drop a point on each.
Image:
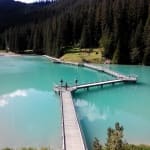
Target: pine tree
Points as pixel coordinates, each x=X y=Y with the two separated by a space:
x=96 y=144
x=138 y=45
x=146 y=59
x=119 y=26
x=85 y=39
x=114 y=140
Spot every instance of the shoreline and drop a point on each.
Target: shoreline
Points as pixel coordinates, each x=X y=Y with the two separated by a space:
x=10 y=53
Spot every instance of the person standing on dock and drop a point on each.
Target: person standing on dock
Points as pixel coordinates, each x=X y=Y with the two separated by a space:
x=61 y=83
x=76 y=81
x=66 y=85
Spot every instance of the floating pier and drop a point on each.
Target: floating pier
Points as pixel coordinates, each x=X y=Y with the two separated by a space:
x=93 y=84
x=110 y=72
x=97 y=68
x=72 y=134
x=73 y=139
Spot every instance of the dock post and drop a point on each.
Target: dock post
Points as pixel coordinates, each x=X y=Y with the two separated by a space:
x=76 y=81
x=66 y=86
x=61 y=82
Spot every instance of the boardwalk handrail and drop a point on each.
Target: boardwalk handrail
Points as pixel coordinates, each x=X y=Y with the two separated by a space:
x=63 y=129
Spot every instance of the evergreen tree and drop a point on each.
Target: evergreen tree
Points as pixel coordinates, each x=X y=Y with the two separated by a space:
x=85 y=37
x=119 y=26
x=146 y=59
x=97 y=145
x=114 y=140
x=136 y=54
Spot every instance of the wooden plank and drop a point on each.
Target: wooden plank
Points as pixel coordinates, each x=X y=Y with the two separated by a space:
x=88 y=85
x=105 y=70
x=98 y=83
x=72 y=131
x=98 y=68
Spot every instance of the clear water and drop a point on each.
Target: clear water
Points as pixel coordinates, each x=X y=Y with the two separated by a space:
x=128 y=104
x=30 y=113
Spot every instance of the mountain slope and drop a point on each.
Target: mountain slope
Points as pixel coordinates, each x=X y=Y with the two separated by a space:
x=121 y=27
x=13 y=13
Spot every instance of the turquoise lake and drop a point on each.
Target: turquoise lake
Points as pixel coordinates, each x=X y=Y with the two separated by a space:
x=30 y=111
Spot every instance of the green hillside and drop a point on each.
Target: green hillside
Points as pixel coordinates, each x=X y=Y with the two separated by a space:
x=121 y=27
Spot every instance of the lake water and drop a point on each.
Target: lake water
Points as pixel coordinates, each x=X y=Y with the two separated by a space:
x=128 y=104
x=30 y=113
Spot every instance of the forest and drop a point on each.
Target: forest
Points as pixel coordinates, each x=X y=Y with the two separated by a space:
x=121 y=27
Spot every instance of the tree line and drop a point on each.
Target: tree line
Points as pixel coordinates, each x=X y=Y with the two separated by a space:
x=121 y=27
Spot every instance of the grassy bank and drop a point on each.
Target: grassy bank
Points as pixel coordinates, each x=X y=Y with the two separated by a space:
x=83 y=55
x=136 y=147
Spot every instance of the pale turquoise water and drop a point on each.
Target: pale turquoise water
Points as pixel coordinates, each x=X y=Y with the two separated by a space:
x=128 y=104
x=30 y=112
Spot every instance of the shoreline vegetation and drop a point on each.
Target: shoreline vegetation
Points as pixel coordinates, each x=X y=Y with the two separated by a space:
x=96 y=146
x=115 y=141
x=88 y=55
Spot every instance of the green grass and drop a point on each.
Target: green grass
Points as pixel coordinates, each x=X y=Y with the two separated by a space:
x=83 y=55
x=2 y=51
x=136 y=147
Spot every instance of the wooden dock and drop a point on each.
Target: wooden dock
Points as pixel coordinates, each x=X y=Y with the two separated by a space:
x=107 y=71
x=93 y=84
x=101 y=83
x=72 y=134
x=73 y=139
x=94 y=67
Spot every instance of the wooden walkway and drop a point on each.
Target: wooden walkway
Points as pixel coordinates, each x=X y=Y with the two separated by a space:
x=72 y=135
x=94 y=67
x=109 y=72
x=93 y=84
x=73 y=139
x=88 y=85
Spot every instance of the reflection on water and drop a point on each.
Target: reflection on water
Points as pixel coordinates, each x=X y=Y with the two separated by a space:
x=90 y=111
x=6 y=97
x=26 y=117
